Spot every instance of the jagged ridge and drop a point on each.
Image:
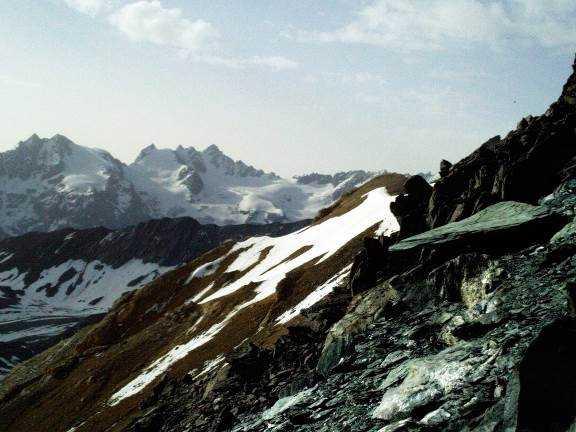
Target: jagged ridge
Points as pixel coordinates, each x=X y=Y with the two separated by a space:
x=49 y=184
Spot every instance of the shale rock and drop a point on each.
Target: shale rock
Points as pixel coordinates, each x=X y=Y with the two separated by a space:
x=445 y=167
x=499 y=226
x=410 y=208
x=524 y=166
x=370 y=259
x=364 y=310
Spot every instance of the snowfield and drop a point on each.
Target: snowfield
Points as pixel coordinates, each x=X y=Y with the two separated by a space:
x=62 y=296
x=88 y=287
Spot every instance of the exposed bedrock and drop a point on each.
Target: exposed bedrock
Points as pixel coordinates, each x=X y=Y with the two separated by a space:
x=526 y=165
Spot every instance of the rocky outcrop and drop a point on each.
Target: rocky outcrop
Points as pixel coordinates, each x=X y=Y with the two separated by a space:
x=445 y=167
x=410 y=207
x=364 y=310
x=526 y=165
x=498 y=226
x=367 y=263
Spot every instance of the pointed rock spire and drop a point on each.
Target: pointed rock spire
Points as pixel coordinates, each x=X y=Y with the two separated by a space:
x=213 y=149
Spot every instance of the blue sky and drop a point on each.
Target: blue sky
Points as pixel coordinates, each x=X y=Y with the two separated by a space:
x=289 y=86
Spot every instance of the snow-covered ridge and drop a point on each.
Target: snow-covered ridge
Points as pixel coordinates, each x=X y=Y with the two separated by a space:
x=52 y=282
x=264 y=262
x=47 y=184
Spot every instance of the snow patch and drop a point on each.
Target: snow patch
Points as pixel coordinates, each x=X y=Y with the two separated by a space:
x=204 y=270
x=325 y=238
x=201 y=294
x=314 y=297
x=163 y=364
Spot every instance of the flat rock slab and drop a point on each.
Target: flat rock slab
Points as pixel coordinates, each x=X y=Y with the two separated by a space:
x=503 y=225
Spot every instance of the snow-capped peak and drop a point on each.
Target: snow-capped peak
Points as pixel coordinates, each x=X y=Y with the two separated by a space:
x=49 y=183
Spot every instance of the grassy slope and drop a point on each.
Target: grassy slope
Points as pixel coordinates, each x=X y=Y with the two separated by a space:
x=50 y=392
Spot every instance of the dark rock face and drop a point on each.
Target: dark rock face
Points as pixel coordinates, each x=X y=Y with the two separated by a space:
x=547 y=399
x=410 y=208
x=367 y=263
x=445 y=167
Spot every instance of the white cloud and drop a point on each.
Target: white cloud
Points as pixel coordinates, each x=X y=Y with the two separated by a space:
x=149 y=21
x=89 y=7
x=410 y=25
x=275 y=62
x=347 y=78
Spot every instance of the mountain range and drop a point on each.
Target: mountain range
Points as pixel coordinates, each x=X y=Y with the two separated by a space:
x=49 y=184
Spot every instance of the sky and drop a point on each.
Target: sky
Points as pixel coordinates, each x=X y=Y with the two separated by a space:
x=291 y=86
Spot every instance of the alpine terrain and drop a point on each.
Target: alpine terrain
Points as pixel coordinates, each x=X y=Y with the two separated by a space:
x=402 y=306
x=54 y=283
x=50 y=184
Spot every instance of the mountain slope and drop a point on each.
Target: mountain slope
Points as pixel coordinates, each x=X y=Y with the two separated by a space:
x=248 y=290
x=51 y=283
x=49 y=184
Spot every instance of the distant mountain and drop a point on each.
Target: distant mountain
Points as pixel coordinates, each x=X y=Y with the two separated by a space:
x=342 y=182
x=53 y=283
x=49 y=184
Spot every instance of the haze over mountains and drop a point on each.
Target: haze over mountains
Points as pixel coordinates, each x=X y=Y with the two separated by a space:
x=47 y=184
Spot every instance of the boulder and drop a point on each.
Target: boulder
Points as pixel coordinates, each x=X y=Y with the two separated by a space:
x=419 y=384
x=445 y=167
x=410 y=208
x=368 y=261
x=568 y=233
x=363 y=310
